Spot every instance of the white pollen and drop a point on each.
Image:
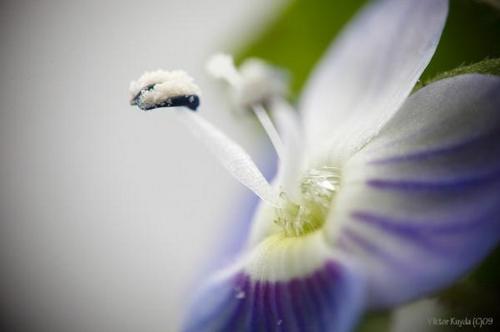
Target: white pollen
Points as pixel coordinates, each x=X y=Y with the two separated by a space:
x=157 y=86
x=261 y=82
x=221 y=66
x=255 y=82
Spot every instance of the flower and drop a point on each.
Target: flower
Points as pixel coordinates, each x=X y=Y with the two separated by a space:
x=381 y=197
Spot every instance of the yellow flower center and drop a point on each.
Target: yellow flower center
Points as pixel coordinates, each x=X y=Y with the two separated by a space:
x=317 y=190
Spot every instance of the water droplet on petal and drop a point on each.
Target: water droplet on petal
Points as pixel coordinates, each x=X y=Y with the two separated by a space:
x=240 y=294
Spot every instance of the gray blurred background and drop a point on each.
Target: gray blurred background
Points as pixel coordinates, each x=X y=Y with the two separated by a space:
x=108 y=215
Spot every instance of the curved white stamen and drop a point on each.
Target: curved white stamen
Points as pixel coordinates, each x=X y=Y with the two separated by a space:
x=269 y=128
x=148 y=93
x=231 y=155
x=254 y=76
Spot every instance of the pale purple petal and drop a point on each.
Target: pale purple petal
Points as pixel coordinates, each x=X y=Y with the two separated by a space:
x=420 y=204
x=329 y=299
x=369 y=71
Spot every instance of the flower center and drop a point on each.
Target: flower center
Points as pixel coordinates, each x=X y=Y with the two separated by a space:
x=317 y=189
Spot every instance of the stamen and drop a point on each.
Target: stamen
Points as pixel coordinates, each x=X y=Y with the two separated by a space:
x=270 y=129
x=164 y=89
x=253 y=86
x=292 y=163
x=231 y=155
x=174 y=89
x=221 y=66
x=261 y=83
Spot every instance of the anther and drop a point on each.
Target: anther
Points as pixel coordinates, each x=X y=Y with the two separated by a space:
x=164 y=89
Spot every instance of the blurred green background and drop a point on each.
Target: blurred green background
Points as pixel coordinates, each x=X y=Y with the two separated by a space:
x=298 y=36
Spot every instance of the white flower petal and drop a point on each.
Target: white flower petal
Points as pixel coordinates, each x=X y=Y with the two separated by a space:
x=420 y=204
x=370 y=70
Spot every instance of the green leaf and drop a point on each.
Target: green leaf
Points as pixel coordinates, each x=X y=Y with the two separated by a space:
x=493 y=3
x=471 y=34
x=488 y=66
x=476 y=295
x=375 y=322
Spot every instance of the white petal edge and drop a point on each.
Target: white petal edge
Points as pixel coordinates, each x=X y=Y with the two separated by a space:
x=369 y=71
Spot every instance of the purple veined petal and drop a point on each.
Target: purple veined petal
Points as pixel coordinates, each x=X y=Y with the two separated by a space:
x=369 y=71
x=328 y=297
x=420 y=204
x=322 y=301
